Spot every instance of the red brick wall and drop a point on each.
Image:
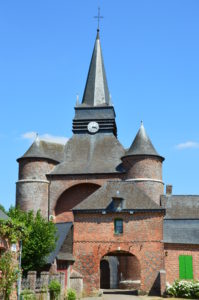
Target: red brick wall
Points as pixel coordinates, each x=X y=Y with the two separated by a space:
x=70 y=198
x=153 y=189
x=59 y=184
x=172 y=252
x=35 y=168
x=32 y=187
x=32 y=195
x=129 y=266
x=94 y=237
x=144 y=167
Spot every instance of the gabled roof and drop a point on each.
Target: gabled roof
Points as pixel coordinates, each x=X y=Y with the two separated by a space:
x=142 y=145
x=45 y=149
x=63 y=230
x=181 y=206
x=135 y=199
x=91 y=154
x=96 y=91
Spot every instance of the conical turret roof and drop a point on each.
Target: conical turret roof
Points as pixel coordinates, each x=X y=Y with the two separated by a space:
x=96 y=91
x=44 y=149
x=142 y=145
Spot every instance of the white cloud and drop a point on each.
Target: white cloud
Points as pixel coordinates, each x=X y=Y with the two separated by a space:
x=187 y=145
x=45 y=137
x=29 y=135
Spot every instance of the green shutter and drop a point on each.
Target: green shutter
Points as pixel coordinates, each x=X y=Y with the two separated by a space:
x=182 y=270
x=189 y=267
x=185 y=267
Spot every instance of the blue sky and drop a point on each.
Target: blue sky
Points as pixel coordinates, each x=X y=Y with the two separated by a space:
x=150 y=50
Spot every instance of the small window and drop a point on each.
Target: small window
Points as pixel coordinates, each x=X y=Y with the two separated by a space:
x=118 y=226
x=185 y=267
x=118 y=204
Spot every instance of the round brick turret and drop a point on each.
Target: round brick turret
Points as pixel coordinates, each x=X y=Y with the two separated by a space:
x=32 y=187
x=144 y=166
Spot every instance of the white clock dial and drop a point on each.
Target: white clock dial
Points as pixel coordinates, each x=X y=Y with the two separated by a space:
x=93 y=127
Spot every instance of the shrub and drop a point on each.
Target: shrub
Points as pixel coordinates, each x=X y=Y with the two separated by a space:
x=28 y=295
x=71 y=294
x=9 y=274
x=55 y=289
x=184 y=289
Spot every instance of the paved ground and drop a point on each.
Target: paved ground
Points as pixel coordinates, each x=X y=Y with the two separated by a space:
x=128 y=296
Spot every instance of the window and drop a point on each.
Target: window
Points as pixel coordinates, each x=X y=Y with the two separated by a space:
x=117 y=204
x=118 y=226
x=185 y=267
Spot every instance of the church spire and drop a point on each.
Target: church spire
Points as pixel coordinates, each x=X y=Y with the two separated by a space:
x=96 y=91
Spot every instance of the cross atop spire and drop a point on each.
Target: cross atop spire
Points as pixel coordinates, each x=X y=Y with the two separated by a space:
x=96 y=91
x=98 y=17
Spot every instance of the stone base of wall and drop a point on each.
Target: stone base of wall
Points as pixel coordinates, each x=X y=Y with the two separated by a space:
x=129 y=285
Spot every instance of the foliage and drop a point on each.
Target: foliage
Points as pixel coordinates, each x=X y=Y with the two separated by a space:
x=184 y=289
x=71 y=294
x=54 y=288
x=39 y=241
x=12 y=230
x=28 y=295
x=9 y=274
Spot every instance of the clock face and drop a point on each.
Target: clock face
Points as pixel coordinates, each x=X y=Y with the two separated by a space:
x=93 y=127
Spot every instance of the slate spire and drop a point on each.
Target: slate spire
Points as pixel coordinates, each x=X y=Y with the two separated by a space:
x=142 y=144
x=96 y=91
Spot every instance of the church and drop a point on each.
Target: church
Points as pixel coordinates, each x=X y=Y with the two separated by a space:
x=116 y=226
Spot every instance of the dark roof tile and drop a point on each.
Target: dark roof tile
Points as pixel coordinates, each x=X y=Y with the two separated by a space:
x=142 y=145
x=181 y=206
x=45 y=149
x=90 y=154
x=181 y=231
x=135 y=199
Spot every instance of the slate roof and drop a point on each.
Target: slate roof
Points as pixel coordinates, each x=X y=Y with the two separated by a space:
x=63 y=230
x=142 y=145
x=90 y=154
x=3 y=216
x=134 y=198
x=181 y=206
x=96 y=91
x=181 y=231
x=45 y=149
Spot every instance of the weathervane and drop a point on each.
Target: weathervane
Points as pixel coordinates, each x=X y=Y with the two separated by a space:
x=98 y=17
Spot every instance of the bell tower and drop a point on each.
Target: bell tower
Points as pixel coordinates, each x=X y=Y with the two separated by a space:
x=95 y=113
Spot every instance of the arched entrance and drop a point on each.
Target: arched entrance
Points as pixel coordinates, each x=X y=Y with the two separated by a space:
x=104 y=274
x=124 y=271
x=72 y=197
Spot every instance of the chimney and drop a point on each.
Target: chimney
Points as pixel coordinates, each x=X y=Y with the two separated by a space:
x=169 y=189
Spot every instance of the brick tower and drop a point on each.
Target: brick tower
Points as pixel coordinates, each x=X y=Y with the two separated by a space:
x=32 y=187
x=144 y=166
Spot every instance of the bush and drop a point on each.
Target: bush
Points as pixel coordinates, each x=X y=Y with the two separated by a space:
x=55 y=289
x=184 y=289
x=28 y=295
x=9 y=274
x=71 y=294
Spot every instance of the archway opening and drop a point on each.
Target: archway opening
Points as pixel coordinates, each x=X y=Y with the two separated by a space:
x=70 y=198
x=124 y=272
x=104 y=274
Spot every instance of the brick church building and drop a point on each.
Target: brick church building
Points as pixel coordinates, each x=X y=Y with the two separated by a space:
x=116 y=227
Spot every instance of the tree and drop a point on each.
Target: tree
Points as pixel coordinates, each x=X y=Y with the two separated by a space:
x=40 y=240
